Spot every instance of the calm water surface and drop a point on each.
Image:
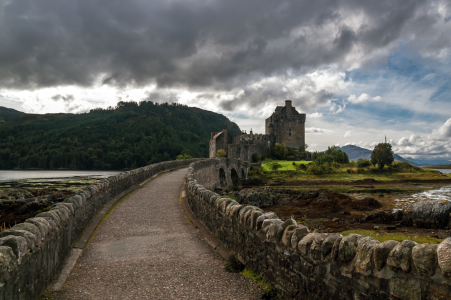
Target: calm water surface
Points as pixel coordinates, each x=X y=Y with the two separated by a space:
x=447 y=171
x=11 y=175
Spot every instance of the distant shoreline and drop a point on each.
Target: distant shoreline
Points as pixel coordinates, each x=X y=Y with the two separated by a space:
x=439 y=167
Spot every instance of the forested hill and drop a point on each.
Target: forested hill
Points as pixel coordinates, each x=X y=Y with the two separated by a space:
x=130 y=135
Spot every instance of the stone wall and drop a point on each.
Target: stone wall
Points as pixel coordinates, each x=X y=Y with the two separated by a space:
x=209 y=172
x=305 y=265
x=32 y=253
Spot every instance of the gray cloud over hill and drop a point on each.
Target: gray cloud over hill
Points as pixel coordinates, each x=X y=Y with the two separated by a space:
x=212 y=45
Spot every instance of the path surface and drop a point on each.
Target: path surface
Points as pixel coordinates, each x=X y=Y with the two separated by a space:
x=146 y=249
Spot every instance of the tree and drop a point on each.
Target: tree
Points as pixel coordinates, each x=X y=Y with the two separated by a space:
x=382 y=155
x=183 y=156
x=280 y=151
x=221 y=153
x=302 y=151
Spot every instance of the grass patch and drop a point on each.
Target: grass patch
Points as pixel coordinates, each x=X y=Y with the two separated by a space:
x=47 y=296
x=233 y=197
x=344 y=172
x=382 y=236
x=257 y=279
x=287 y=165
x=44 y=209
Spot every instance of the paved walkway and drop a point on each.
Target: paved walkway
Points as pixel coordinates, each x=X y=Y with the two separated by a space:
x=146 y=249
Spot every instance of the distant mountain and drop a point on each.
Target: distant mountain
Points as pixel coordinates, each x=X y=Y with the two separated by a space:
x=429 y=162
x=129 y=135
x=355 y=152
x=7 y=114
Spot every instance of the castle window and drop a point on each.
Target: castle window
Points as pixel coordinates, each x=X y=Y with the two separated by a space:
x=289 y=132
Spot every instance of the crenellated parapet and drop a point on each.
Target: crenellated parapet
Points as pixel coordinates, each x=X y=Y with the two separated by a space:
x=301 y=264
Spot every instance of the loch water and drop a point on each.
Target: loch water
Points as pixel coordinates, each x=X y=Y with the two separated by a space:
x=53 y=175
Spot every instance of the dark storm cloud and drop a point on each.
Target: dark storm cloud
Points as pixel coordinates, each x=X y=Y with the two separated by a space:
x=217 y=45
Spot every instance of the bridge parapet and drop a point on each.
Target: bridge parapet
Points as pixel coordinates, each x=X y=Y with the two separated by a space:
x=304 y=265
x=32 y=253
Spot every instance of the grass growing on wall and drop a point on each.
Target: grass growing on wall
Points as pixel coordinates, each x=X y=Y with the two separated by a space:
x=257 y=279
x=382 y=236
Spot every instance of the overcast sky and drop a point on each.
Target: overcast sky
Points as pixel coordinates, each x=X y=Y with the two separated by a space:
x=360 y=70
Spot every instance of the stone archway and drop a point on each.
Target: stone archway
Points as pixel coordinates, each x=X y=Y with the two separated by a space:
x=222 y=177
x=235 y=178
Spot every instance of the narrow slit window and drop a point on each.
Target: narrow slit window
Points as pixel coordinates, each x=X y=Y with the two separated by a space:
x=289 y=132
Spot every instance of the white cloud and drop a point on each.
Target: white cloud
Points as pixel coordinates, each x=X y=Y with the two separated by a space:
x=445 y=130
x=364 y=97
x=348 y=134
x=314 y=115
x=317 y=130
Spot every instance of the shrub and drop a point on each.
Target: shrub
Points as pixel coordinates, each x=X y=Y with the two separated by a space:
x=294 y=163
x=302 y=167
x=280 y=151
x=276 y=166
x=183 y=156
x=221 y=153
x=335 y=165
x=256 y=157
x=363 y=163
x=317 y=169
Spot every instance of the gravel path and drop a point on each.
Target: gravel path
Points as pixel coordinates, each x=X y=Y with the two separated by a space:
x=146 y=249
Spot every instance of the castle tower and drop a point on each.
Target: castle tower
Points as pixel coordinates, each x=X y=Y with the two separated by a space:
x=287 y=125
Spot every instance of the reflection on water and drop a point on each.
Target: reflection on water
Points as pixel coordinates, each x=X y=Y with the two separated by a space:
x=443 y=193
x=11 y=175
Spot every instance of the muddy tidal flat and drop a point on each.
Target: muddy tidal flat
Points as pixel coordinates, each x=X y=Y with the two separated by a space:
x=23 y=194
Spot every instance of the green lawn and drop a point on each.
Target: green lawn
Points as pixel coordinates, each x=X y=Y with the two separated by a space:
x=287 y=165
x=345 y=172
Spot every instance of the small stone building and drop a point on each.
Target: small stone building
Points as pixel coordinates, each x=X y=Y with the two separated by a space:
x=285 y=125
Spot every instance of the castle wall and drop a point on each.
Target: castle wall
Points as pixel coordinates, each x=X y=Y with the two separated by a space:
x=295 y=125
x=303 y=265
x=287 y=125
x=244 y=150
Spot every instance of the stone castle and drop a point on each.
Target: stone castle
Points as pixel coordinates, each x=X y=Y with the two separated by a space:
x=285 y=125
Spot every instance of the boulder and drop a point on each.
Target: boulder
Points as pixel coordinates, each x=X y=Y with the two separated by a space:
x=427 y=214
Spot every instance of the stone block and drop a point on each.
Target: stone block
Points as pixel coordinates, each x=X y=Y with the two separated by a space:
x=29 y=237
x=444 y=256
x=424 y=258
x=381 y=252
x=365 y=251
x=8 y=262
x=305 y=243
x=326 y=247
x=30 y=228
x=298 y=234
x=18 y=244
x=348 y=247
x=401 y=256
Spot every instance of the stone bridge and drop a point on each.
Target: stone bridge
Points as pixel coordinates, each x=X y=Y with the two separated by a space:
x=145 y=248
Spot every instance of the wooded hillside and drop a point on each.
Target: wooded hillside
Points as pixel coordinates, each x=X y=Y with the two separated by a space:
x=129 y=135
